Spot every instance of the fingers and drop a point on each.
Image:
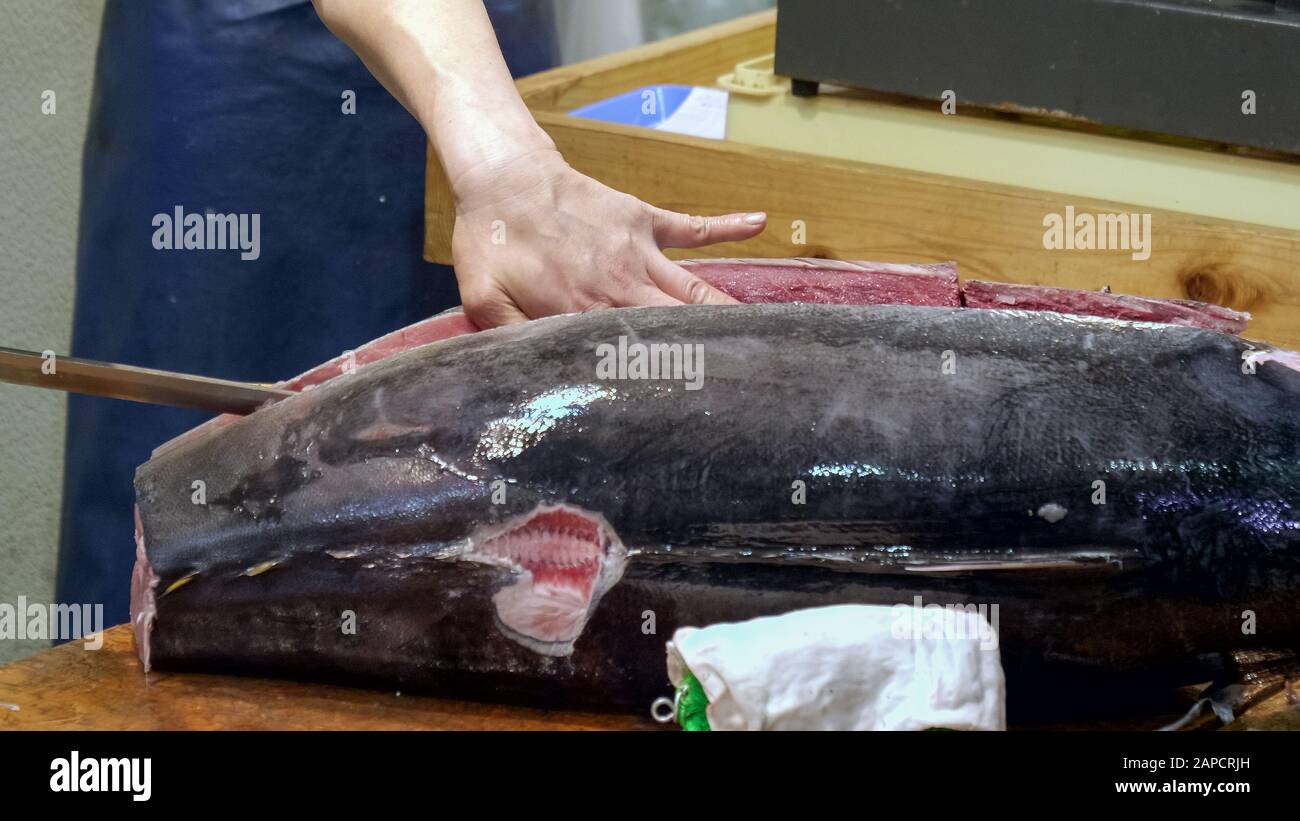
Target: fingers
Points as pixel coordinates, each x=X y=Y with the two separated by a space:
x=677 y=282
x=649 y=295
x=492 y=310
x=673 y=230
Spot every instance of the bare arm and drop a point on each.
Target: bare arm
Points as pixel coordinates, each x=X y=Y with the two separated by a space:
x=532 y=236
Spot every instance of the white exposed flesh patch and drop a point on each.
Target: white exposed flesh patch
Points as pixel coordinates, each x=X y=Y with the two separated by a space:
x=527 y=424
x=1288 y=358
x=144 y=606
x=1052 y=512
x=565 y=559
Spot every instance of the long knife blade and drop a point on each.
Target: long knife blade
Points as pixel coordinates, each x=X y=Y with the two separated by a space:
x=68 y=373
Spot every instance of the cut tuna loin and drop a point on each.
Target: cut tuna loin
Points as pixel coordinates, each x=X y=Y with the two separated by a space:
x=830 y=281
x=1187 y=312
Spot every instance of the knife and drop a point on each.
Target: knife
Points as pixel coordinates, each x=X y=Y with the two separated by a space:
x=181 y=390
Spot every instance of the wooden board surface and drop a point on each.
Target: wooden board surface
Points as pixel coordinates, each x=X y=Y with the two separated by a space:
x=855 y=210
x=70 y=688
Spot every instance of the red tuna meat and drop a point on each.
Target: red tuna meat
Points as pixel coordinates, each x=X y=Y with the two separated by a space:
x=1099 y=303
x=831 y=281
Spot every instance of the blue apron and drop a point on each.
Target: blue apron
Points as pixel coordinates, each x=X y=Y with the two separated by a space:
x=236 y=108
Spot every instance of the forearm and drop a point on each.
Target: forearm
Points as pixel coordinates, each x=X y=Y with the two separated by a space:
x=440 y=59
x=575 y=244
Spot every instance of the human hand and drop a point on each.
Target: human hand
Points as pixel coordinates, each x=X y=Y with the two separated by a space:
x=534 y=237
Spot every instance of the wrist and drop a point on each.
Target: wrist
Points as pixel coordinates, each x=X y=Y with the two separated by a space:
x=506 y=172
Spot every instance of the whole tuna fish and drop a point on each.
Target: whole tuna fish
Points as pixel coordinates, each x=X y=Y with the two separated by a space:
x=530 y=512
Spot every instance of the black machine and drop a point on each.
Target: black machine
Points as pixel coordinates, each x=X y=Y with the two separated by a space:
x=1222 y=71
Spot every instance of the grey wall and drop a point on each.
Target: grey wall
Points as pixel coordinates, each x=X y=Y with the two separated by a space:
x=664 y=18
x=44 y=45
x=590 y=28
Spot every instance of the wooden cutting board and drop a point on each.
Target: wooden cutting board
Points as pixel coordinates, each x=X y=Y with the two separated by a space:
x=69 y=688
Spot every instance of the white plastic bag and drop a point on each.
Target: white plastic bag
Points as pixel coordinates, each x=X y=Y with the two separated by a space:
x=848 y=667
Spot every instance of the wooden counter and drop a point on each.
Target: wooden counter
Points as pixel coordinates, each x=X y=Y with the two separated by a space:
x=70 y=688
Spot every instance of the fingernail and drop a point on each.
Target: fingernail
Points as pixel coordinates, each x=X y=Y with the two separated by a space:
x=756 y=218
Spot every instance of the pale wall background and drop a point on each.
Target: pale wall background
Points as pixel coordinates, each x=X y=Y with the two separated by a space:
x=50 y=44
x=590 y=28
x=44 y=44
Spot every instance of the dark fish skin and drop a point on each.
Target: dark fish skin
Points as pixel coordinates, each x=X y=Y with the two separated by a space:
x=363 y=492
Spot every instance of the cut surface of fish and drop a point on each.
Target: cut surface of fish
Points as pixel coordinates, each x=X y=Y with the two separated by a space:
x=565 y=558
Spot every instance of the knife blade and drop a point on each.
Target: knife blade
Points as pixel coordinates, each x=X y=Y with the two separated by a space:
x=181 y=390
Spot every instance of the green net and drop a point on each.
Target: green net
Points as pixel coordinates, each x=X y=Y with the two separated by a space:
x=691 y=704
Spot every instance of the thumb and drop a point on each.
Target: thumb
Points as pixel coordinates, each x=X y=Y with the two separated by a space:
x=674 y=230
x=493 y=309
